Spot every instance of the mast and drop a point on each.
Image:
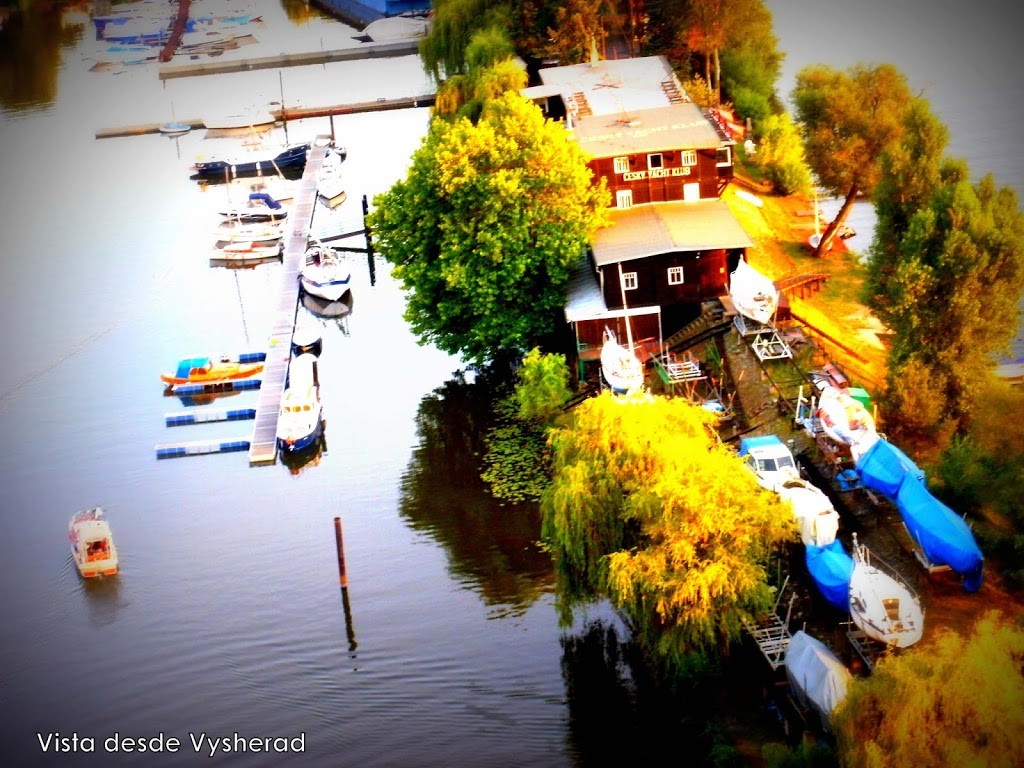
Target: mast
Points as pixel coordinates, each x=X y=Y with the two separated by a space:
x=625 y=308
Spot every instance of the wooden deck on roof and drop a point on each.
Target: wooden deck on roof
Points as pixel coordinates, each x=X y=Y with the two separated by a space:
x=263 y=446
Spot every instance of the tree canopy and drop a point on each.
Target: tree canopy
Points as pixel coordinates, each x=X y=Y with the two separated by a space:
x=486 y=228
x=647 y=509
x=958 y=700
x=946 y=275
x=850 y=118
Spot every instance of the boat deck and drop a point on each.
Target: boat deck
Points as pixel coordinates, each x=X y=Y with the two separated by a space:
x=263 y=446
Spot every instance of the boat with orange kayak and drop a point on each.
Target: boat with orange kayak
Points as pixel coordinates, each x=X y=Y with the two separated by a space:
x=205 y=370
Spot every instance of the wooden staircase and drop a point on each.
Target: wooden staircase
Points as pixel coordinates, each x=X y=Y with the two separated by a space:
x=671 y=91
x=710 y=323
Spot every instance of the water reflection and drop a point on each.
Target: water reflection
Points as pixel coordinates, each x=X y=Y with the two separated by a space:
x=330 y=309
x=31 y=40
x=618 y=704
x=492 y=547
x=299 y=461
x=103 y=598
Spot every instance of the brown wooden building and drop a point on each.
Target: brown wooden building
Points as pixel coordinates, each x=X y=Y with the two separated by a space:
x=672 y=242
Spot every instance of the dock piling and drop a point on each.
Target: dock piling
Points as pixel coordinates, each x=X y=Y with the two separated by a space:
x=342 y=573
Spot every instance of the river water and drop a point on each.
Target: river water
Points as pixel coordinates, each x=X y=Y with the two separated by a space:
x=963 y=58
x=227 y=615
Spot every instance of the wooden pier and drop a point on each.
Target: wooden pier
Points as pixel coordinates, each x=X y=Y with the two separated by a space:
x=263 y=446
x=355 y=53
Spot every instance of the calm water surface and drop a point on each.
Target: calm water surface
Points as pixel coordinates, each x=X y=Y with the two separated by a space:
x=227 y=616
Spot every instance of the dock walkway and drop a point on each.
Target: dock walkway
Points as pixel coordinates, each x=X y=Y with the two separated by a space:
x=263 y=446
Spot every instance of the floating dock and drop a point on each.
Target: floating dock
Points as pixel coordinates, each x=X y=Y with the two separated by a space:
x=205 y=417
x=199 y=448
x=263 y=448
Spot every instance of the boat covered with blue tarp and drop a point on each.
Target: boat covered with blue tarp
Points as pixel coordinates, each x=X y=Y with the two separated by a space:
x=831 y=568
x=944 y=537
x=883 y=467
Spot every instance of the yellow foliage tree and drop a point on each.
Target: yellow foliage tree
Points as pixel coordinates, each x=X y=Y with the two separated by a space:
x=648 y=509
x=957 y=701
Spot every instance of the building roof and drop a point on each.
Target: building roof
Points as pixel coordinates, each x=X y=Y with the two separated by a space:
x=612 y=86
x=649 y=230
x=676 y=126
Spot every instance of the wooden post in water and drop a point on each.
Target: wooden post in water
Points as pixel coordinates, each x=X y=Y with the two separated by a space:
x=350 y=633
x=342 y=574
x=369 y=243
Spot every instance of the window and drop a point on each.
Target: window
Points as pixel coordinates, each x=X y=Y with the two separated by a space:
x=629 y=281
x=675 y=275
x=621 y=164
x=724 y=157
x=624 y=198
x=655 y=161
x=688 y=157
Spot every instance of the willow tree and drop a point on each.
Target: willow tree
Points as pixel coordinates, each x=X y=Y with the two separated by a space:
x=443 y=48
x=486 y=228
x=959 y=700
x=850 y=119
x=649 y=510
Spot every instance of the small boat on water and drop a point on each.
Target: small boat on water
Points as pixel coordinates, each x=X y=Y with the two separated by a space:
x=246 y=252
x=300 y=420
x=205 y=370
x=621 y=369
x=252 y=163
x=754 y=295
x=92 y=544
x=245 y=119
x=325 y=273
x=330 y=182
x=259 y=206
x=259 y=232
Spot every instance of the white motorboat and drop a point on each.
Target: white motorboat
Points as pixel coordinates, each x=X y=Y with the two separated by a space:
x=300 y=420
x=754 y=295
x=259 y=207
x=245 y=119
x=262 y=233
x=882 y=606
x=92 y=544
x=330 y=182
x=619 y=366
x=325 y=274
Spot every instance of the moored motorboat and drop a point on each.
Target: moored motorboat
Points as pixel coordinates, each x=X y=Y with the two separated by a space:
x=92 y=544
x=246 y=252
x=251 y=163
x=258 y=207
x=330 y=182
x=325 y=273
x=258 y=232
x=205 y=370
x=621 y=369
x=245 y=119
x=300 y=420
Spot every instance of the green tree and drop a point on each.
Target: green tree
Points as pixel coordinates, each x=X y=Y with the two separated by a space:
x=849 y=119
x=647 y=509
x=781 y=155
x=543 y=386
x=443 y=48
x=485 y=229
x=949 y=288
x=959 y=700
